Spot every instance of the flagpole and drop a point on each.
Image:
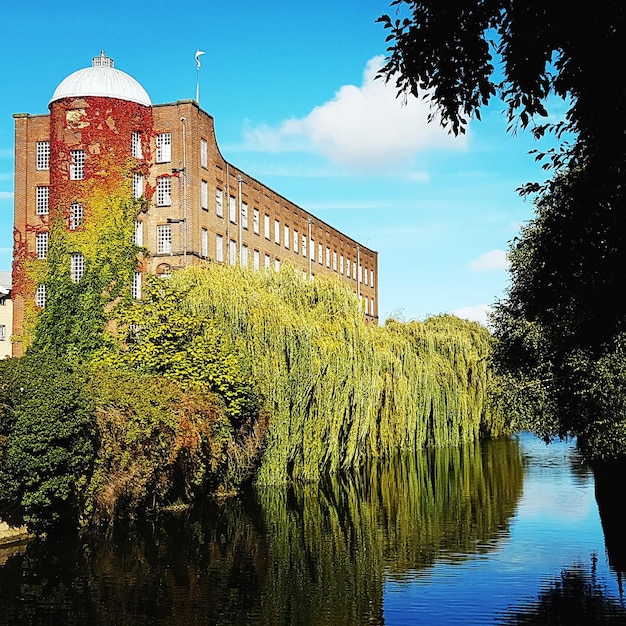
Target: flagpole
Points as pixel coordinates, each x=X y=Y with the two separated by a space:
x=198 y=54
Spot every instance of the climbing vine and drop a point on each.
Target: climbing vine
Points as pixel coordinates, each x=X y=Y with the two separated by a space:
x=91 y=255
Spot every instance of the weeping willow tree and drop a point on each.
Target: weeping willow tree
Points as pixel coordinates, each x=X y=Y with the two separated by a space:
x=339 y=391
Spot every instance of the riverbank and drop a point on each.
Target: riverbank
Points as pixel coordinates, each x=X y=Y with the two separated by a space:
x=10 y=534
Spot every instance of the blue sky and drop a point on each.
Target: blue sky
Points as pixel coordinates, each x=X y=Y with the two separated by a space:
x=290 y=85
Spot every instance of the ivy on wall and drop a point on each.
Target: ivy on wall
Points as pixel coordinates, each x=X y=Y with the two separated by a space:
x=79 y=303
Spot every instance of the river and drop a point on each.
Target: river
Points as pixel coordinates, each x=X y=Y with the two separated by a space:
x=502 y=532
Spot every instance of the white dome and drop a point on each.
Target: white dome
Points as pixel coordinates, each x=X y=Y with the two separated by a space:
x=102 y=79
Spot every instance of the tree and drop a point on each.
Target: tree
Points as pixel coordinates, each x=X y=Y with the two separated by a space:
x=561 y=327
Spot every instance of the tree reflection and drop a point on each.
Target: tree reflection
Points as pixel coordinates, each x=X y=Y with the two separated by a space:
x=575 y=598
x=307 y=554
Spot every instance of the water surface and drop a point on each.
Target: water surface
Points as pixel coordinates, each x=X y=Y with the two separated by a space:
x=504 y=532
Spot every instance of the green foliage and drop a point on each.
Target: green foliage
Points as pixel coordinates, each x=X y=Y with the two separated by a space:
x=337 y=390
x=157 y=443
x=46 y=442
x=160 y=337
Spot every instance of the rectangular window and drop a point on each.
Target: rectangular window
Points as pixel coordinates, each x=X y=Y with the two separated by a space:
x=365 y=276
x=371 y=278
x=3 y=332
x=77 y=164
x=360 y=273
x=286 y=236
x=204 y=153
x=327 y=256
x=341 y=264
x=76 y=215
x=257 y=260
x=244 y=215
x=164 y=191
x=204 y=193
x=43 y=196
x=137 y=185
x=244 y=256
x=43 y=155
x=138 y=236
x=255 y=221
x=347 y=268
x=41 y=245
x=232 y=209
x=204 y=243
x=304 y=245
x=232 y=252
x=136 y=286
x=266 y=226
x=320 y=254
x=277 y=232
x=268 y=261
x=219 y=248
x=164 y=148
x=135 y=147
x=40 y=296
x=335 y=260
x=296 y=241
x=277 y=265
x=164 y=239
x=77 y=266
x=219 y=203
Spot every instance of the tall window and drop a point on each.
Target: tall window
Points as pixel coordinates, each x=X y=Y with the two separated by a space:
x=164 y=148
x=77 y=164
x=204 y=189
x=138 y=236
x=244 y=215
x=136 y=286
x=277 y=265
x=219 y=248
x=204 y=153
x=365 y=276
x=335 y=260
x=286 y=236
x=348 y=268
x=232 y=252
x=40 y=296
x=164 y=239
x=137 y=185
x=268 y=261
x=43 y=196
x=135 y=145
x=232 y=209
x=76 y=215
x=219 y=203
x=257 y=260
x=296 y=241
x=77 y=266
x=41 y=245
x=304 y=245
x=266 y=225
x=371 y=278
x=256 y=217
x=43 y=155
x=320 y=253
x=204 y=243
x=164 y=191
x=244 y=256
x=327 y=256
x=341 y=264
x=277 y=232
x=3 y=332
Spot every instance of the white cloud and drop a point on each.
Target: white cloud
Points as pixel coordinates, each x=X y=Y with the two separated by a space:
x=494 y=260
x=363 y=128
x=478 y=313
x=6 y=195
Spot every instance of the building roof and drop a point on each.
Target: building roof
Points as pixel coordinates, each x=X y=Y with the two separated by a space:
x=101 y=79
x=5 y=283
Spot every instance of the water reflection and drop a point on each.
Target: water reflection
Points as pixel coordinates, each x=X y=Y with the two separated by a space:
x=301 y=555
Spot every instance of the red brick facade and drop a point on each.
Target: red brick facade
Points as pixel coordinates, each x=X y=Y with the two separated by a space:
x=202 y=209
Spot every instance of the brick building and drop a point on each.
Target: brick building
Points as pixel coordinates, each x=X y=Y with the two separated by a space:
x=201 y=208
